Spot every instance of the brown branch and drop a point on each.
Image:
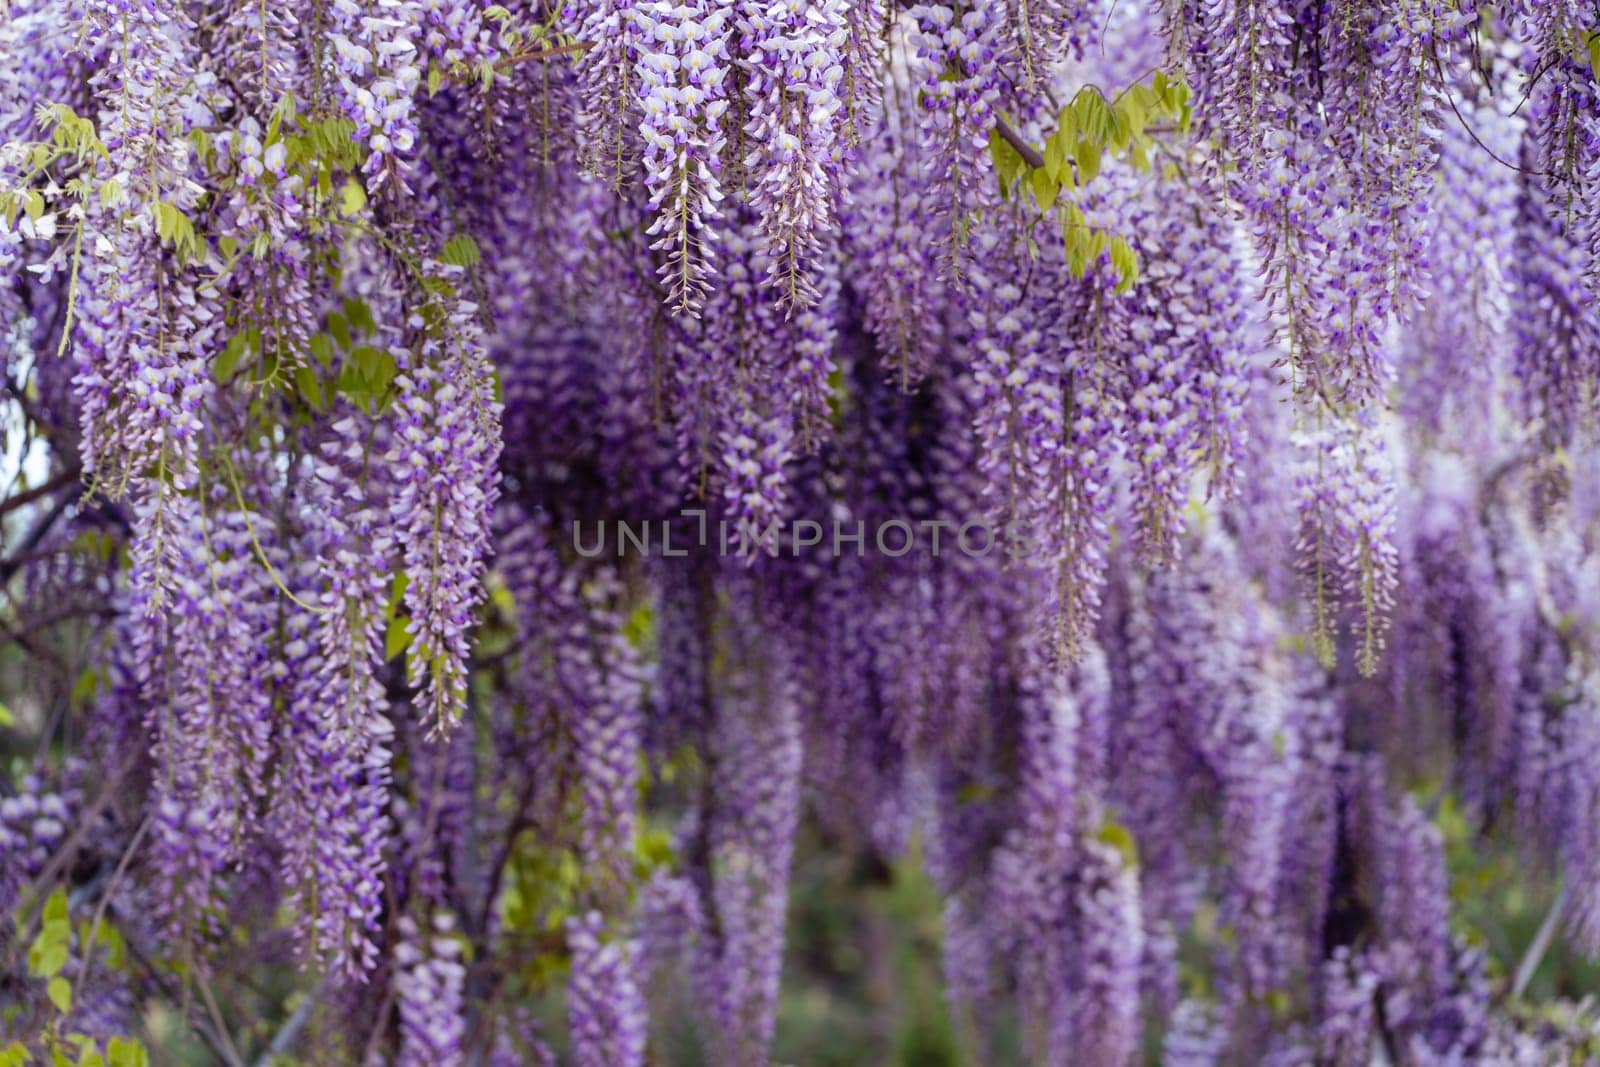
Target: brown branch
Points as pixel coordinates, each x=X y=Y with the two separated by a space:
x=1030 y=155
x=28 y=496
x=532 y=55
x=535 y=54
x=37 y=534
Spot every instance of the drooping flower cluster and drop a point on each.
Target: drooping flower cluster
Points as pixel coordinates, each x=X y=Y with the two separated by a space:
x=428 y=992
x=792 y=56
x=960 y=50
x=443 y=465
x=605 y=1006
x=683 y=72
x=378 y=68
x=332 y=786
x=201 y=669
x=1346 y=537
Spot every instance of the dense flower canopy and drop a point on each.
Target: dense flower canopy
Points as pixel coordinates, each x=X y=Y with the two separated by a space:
x=486 y=478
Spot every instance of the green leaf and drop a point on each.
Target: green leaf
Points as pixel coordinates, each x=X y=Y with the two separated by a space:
x=1130 y=115
x=352 y=198
x=352 y=385
x=59 y=990
x=321 y=346
x=398 y=637
x=440 y=287
x=397 y=594
x=174 y=227
x=1088 y=157
x=33 y=203
x=461 y=251
x=1126 y=262
x=6 y=718
x=48 y=953
x=640 y=628
x=46 y=957
x=367 y=359
x=55 y=908
x=1008 y=162
x=360 y=315
x=306 y=384
x=1118 y=837
x=1594 y=52
x=1095 y=118
x=126 y=1052
x=377 y=367
x=1045 y=189
x=86 y=685
x=14 y=1055
x=228 y=362
x=1056 y=155
x=1139 y=155
x=1074 y=234
x=109 y=938
x=339 y=327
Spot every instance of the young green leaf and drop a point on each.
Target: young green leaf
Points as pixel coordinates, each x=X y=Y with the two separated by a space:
x=397 y=638
x=352 y=198
x=126 y=1052
x=360 y=315
x=321 y=346
x=309 y=388
x=1126 y=263
x=1008 y=162
x=228 y=360
x=1045 y=189
x=461 y=251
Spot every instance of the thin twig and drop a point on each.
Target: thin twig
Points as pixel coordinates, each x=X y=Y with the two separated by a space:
x=105 y=900
x=230 y=1051
x=1465 y=125
x=1540 y=943
x=141 y=957
x=58 y=860
x=289 y=1032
